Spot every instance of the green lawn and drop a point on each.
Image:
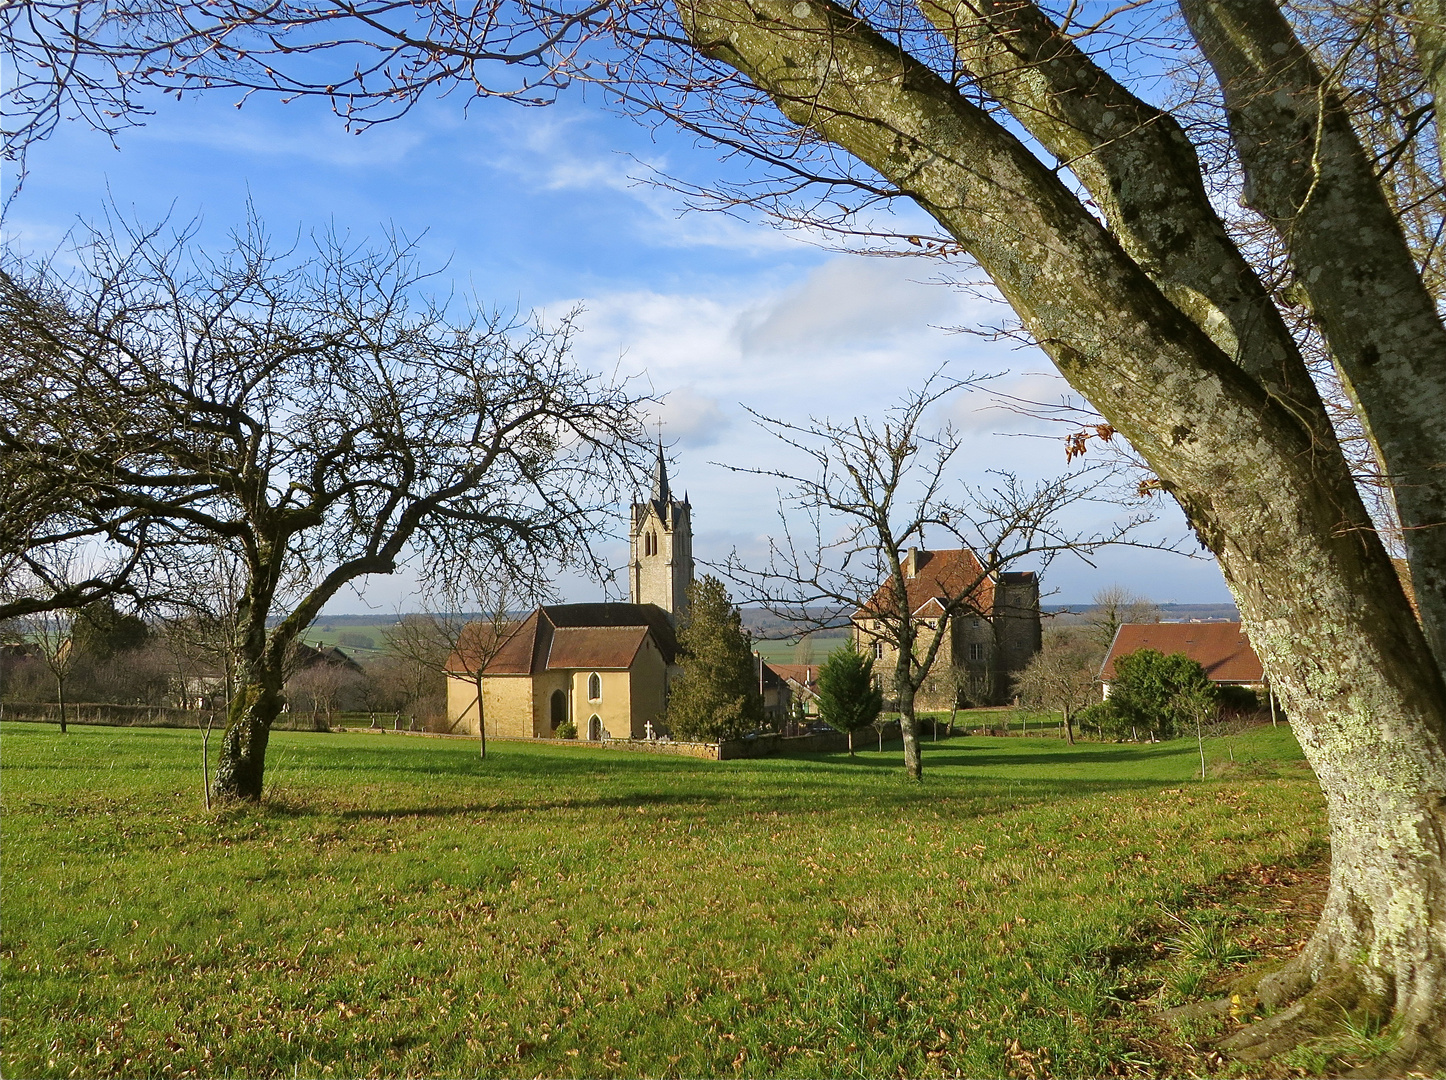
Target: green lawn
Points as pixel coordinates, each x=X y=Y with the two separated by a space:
x=396 y=907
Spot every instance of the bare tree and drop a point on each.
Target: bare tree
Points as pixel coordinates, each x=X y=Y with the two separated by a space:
x=316 y=414
x=845 y=528
x=51 y=631
x=1112 y=607
x=451 y=643
x=1061 y=676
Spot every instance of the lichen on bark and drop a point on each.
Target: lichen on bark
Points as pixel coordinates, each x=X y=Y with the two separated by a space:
x=1240 y=438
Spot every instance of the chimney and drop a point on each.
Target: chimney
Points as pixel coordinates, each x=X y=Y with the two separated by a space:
x=911 y=562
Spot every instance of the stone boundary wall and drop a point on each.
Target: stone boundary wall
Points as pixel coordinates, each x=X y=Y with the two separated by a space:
x=729 y=750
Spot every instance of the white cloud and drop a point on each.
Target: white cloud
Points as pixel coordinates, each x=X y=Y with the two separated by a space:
x=1014 y=402
x=849 y=302
x=264 y=132
x=695 y=420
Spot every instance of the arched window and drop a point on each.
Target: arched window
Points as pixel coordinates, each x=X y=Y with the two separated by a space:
x=594 y=687
x=594 y=729
x=559 y=708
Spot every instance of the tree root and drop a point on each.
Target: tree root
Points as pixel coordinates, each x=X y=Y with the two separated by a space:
x=1337 y=1014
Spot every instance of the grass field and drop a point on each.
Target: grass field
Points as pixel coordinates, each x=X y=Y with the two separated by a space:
x=396 y=907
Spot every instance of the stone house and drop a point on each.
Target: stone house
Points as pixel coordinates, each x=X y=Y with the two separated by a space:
x=800 y=684
x=985 y=645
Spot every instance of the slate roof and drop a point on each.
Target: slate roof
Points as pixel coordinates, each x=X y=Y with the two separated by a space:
x=570 y=635
x=1222 y=649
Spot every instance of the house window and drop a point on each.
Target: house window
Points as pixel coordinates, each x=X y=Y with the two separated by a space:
x=594 y=687
x=594 y=729
x=976 y=651
x=878 y=648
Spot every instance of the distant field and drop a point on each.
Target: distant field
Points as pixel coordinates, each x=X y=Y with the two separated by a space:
x=360 y=640
x=396 y=907
x=813 y=651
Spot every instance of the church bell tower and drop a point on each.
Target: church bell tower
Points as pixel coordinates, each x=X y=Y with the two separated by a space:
x=661 y=542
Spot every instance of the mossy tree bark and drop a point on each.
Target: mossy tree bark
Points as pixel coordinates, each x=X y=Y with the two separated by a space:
x=1157 y=319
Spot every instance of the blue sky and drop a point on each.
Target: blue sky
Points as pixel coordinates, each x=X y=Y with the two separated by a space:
x=544 y=209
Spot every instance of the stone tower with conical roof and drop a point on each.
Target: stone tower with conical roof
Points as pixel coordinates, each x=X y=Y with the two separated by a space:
x=661 y=536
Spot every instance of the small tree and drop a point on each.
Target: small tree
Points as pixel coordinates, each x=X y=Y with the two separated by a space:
x=1111 y=608
x=52 y=633
x=717 y=698
x=848 y=697
x=1150 y=687
x=1060 y=676
x=1201 y=705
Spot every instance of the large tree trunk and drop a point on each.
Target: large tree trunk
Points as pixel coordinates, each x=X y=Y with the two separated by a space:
x=241 y=760
x=1380 y=945
x=909 y=729
x=1243 y=445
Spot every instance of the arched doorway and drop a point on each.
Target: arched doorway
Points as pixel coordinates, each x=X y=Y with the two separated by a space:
x=559 y=709
x=594 y=729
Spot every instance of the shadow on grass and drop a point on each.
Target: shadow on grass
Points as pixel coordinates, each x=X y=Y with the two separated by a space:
x=974 y=756
x=640 y=800
x=989 y=792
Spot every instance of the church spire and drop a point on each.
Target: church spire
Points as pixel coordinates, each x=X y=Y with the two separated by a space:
x=661 y=494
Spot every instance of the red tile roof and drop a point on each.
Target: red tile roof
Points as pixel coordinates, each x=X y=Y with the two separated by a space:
x=1222 y=649
x=568 y=635
x=804 y=675
x=480 y=639
x=595 y=646
x=939 y=576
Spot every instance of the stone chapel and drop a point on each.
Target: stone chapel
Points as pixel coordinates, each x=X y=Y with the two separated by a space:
x=606 y=668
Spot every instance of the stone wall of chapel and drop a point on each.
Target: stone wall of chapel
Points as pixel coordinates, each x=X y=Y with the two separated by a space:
x=506 y=703
x=612 y=706
x=648 y=687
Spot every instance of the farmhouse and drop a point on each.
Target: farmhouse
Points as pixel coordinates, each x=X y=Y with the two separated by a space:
x=605 y=668
x=1221 y=648
x=799 y=683
x=984 y=646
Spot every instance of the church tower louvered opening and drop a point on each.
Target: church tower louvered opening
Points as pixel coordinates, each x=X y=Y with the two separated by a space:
x=661 y=557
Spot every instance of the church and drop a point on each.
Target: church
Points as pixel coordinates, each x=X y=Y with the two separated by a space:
x=605 y=668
